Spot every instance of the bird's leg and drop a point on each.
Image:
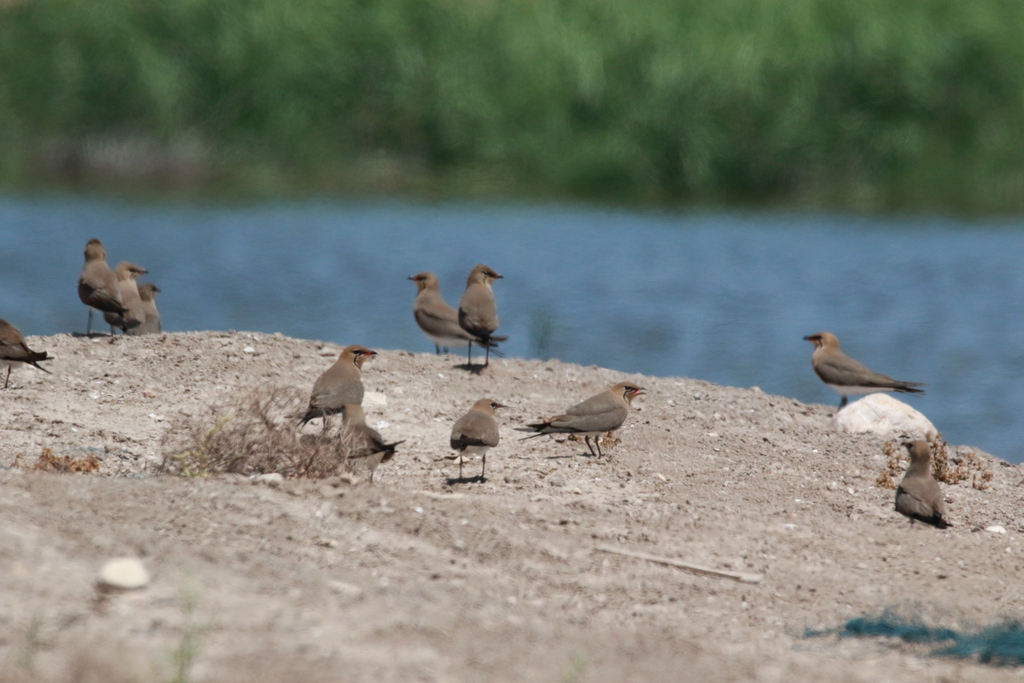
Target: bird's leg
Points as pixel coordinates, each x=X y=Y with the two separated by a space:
x=586 y=438
x=460 y=465
x=323 y=433
x=484 y=468
x=487 y=357
x=8 y=376
x=842 y=403
x=597 y=442
x=112 y=331
x=437 y=350
x=88 y=326
x=469 y=353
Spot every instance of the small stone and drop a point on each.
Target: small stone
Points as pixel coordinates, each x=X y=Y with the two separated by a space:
x=833 y=486
x=347 y=589
x=273 y=479
x=329 y=351
x=123 y=573
x=995 y=529
x=374 y=399
x=248 y=349
x=557 y=481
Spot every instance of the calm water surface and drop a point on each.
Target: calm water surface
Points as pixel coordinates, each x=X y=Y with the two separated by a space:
x=719 y=296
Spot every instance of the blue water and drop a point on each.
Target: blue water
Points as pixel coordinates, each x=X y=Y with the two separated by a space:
x=719 y=296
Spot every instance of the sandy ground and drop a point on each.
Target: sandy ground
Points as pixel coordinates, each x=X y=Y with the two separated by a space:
x=413 y=578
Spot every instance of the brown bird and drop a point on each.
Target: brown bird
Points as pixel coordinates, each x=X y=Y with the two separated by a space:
x=126 y=274
x=477 y=312
x=97 y=284
x=847 y=376
x=366 y=447
x=438 y=320
x=918 y=495
x=603 y=412
x=476 y=432
x=340 y=384
x=14 y=350
x=150 y=316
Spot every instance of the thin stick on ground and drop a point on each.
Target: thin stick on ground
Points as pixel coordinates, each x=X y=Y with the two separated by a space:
x=679 y=564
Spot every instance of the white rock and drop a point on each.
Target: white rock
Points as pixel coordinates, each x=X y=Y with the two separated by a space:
x=123 y=573
x=883 y=415
x=248 y=349
x=995 y=529
x=273 y=479
x=374 y=399
x=347 y=589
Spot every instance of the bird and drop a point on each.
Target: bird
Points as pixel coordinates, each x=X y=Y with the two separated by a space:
x=339 y=385
x=364 y=445
x=438 y=320
x=97 y=284
x=603 y=412
x=14 y=350
x=918 y=496
x=151 y=317
x=847 y=376
x=477 y=312
x=126 y=274
x=476 y=432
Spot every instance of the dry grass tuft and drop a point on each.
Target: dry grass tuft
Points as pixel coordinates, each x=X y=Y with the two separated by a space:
x=48 y=462
x=948 y=468
x=254 y=434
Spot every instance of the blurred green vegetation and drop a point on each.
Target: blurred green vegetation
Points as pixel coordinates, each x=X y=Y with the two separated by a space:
x=864 y=104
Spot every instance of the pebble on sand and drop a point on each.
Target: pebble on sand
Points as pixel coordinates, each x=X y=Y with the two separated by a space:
x=123 y=573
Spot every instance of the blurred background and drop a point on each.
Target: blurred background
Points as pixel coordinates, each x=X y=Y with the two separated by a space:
x=669 y=187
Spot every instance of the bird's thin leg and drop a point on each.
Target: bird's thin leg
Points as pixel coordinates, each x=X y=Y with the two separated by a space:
x=437 y=350
x=8 y=376
x=88 y=326
x=586 y=438
x=484 y=468
x=460 y=465
x=487 y=358
x=597 y=442
x=111 y=330
x=324 y=432
x=842 y=403
x=469 y=352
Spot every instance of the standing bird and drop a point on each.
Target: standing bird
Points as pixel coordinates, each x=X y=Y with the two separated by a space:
x=477 y=312
x=438 y=320
x=14 y=350
x=150 y=316
x=476 y=432
x=339 y=384
x=603 y=412
x=847 y=376
x=918 y=495
x=365 y=446
x=126 y=274
x=97 y=284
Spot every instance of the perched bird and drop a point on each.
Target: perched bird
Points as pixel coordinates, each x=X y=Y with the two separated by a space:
x=603 y=412
x=847 y=376
x=438 y=320
x=918 y=495
x=477 y=312
x=14 y=350
x=366 y=447
x=97 y=284
x=475 y=432
x=340 y=384
x=126 y=274
x=150 y=316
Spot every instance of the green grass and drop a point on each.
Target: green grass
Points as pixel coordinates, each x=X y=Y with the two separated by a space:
x=837 y=103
